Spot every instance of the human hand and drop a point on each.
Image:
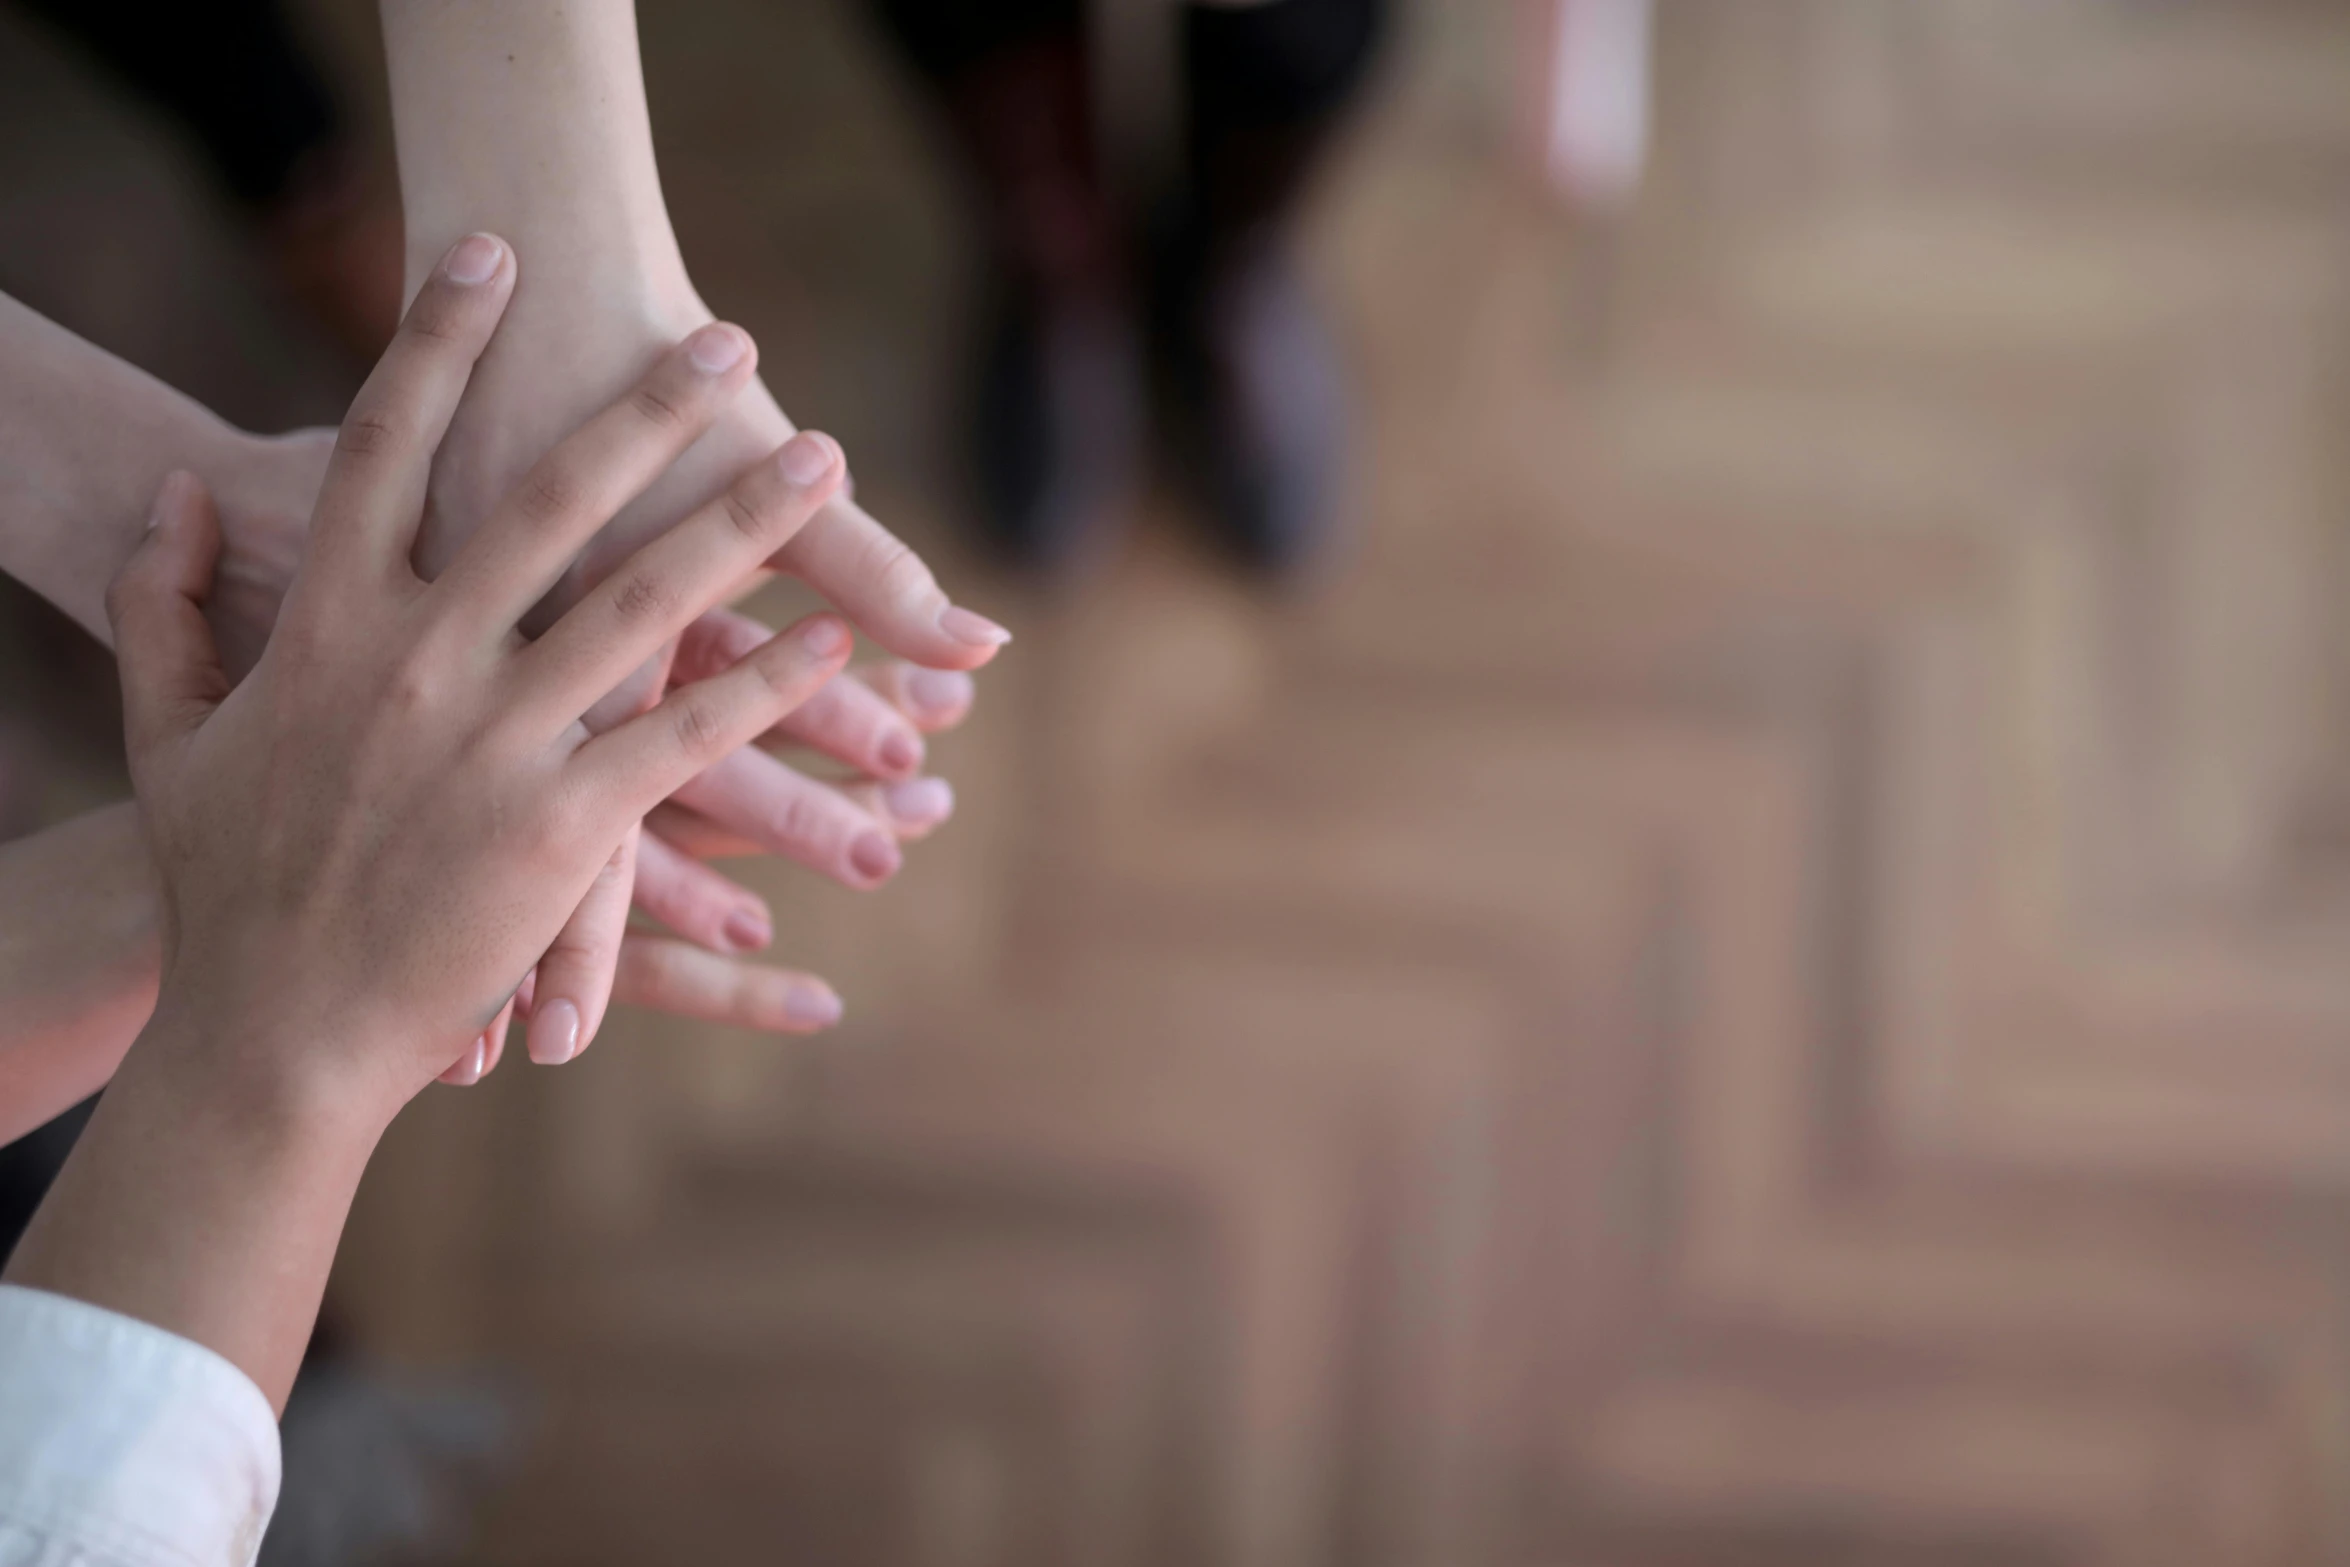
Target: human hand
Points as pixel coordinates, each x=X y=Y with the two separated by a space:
x=576 y=332
x=77 y=961
x=870 y=720
x=366 y=844
x=579 y=334
x=858 y=720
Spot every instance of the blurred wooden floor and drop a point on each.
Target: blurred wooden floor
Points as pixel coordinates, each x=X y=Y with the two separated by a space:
x=1762 y=981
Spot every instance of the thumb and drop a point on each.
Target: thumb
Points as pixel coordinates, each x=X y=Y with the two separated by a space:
x=163 y=647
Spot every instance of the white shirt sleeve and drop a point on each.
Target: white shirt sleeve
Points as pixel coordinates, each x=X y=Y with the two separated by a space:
x=122 y=1445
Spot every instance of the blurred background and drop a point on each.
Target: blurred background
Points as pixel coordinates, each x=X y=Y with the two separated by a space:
x=1747 y=960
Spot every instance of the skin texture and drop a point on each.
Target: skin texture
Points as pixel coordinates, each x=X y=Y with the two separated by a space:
x=528 y=117
x=365 y=846
x=86 y=439
x=81 y=950
x=79 y=956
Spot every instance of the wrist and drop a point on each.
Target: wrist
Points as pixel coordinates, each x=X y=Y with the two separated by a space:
x=607 y=246
x=205 y=1197
x=281 y=1077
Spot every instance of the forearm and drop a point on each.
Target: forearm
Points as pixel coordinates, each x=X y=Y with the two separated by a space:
x=85 y=440
x=78 y=961
x=207 y=1199
x=527 y=119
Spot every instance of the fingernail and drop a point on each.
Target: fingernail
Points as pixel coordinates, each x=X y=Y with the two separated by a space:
x=920 y=802
x=873 y=856
x=716 y=348
x=477 y=1061
x=747 y=930
x=554 y=1033
x=939 y=690
x=900 y=751
x=825 y=637
x=807 y=457
x=811 y=1008
x=169 y=497
x=971 y=630
x=473 y=259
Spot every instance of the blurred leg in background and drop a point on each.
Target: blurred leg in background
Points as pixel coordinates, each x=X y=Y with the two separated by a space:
x=1254 y=394
x=235 y=75
x=1057 y=414
x=1258 y=398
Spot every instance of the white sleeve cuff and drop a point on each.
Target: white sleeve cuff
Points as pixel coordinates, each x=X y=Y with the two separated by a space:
x=122 y=1443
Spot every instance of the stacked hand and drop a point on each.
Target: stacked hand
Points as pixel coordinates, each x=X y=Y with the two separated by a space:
x=870 y=720
x=367 y=844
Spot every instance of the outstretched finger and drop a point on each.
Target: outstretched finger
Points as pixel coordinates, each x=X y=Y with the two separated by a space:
x=664 y=587
x=574 y=983
x=373 y=497
x=787 y=813
x=633 y=768
x=682 y=980
x=528 y=542
x=886 y=589
x=481 y=1056
x=934 y=699
x=705 y=906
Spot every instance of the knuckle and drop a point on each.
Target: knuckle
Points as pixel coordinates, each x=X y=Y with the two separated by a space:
x=801 y=822
x=553 y=826
x=700 y=726
x=639 y=596
x=753 y=520
x=438 y=316
x=413 y=686
x=548 y=494
x=367 y=433
x=893 y=566
x=658 y=407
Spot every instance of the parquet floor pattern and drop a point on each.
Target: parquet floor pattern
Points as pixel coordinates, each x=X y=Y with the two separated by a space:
x=1762 y=981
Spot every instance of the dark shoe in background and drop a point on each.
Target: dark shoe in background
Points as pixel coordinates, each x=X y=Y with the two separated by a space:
x=1255 y=404
x=1056 y=424
x=1056 y=416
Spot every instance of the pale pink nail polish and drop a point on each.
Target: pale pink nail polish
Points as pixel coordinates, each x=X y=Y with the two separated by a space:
x=807 y=457
x=920 y=801
x=939 y=690
x=716 y=349
x=873 y=856
x=473 y=259
x=825 y=637
x=810 y=1007
x=900 y=751
x=747 y=930
x=971 y=630
x=477 y=1061
x=554 y=1033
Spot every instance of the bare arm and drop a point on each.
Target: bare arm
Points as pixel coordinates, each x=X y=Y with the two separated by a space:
x=326 y=958
x=85 y=439
x=78 y=961
x=528 y=118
